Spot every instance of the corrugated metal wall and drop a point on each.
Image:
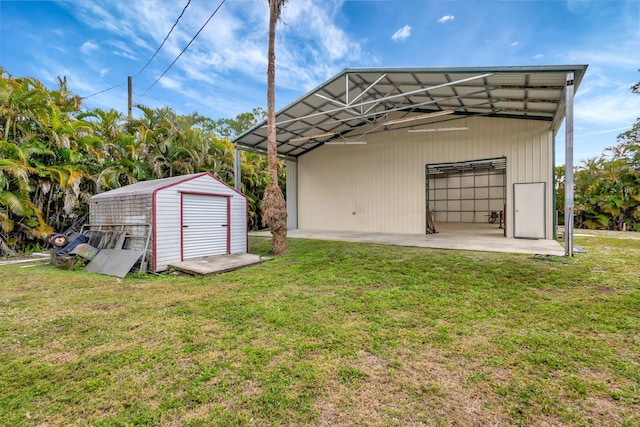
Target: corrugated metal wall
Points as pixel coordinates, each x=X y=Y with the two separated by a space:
x=168 y=218
x=292 y=195
x=380 y=187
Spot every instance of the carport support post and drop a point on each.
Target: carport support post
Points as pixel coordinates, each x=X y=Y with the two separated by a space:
x=568 y=167
x=237 y=171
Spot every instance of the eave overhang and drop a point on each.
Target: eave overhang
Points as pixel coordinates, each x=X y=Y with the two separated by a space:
x=357 y=102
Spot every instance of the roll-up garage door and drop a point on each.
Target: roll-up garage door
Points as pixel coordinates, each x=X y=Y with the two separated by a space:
x=205 y=225
x=466 y=191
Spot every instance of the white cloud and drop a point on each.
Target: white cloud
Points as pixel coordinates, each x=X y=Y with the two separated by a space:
x=123 y=50
x=402 y=34
x=538 y=56
x=446 y=19
x=170 y=83
x=614 y=131
x=314 y=21
x=125 y=55
x=597 y=81
x=88 y=47
x=144 y=25
x=311 y=45
x=619 y=107
x=612 y=57
x=82 y=82
x=104 y=72
x=121 y=18
x=515 y=44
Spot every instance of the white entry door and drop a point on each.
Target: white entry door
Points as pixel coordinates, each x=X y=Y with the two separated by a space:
x=205 y=226
x=529 y=210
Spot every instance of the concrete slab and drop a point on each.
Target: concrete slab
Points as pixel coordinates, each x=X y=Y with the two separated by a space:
x=458 y=236
x=10 y=261
x=218 y=264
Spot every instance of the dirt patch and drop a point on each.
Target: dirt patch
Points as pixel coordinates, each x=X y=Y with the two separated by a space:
x=604 y=289
x=606 y=411
x=413 y=391
x=59 y=358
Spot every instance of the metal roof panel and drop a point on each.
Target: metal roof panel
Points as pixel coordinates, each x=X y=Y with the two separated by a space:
x=371 y=96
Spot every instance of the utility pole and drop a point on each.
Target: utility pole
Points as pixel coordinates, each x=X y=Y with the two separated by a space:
x=130 y=98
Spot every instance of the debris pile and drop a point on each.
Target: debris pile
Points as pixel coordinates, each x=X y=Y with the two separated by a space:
x=108 y=251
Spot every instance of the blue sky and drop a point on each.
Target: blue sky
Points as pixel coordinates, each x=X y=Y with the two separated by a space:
x=96 y=44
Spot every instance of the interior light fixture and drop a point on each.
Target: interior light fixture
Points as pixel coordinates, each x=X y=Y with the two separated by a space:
x=345 y=143
x=306 y=137
x=420 y=117
x=439 y=129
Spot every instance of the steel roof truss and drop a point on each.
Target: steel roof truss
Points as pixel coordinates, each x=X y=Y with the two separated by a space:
x=388 y=98
x=422 y=104
x=364 y=91
x=336 y=102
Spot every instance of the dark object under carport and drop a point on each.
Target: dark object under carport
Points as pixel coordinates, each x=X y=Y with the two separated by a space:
x=60 y=240
x=77 y=240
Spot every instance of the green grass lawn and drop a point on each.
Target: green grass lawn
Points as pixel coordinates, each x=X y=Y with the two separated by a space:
x=332 y=333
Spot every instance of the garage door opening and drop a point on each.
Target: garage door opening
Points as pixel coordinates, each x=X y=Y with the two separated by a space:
x=467 y=196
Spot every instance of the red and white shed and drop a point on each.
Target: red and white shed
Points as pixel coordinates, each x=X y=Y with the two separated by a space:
x=190 y=216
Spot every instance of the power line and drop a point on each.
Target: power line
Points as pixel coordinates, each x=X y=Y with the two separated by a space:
x=140 y=95
x=185 y=48
x=163 y=41
x=104 y=90
x=150 y=59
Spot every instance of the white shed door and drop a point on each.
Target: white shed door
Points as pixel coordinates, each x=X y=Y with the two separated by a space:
x=205 y=226
x=529 y=210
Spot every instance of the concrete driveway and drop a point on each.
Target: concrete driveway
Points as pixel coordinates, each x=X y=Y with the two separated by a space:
x=458 y=236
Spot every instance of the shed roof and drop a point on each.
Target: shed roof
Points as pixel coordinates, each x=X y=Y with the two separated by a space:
x=147 y=187
x=357 y=102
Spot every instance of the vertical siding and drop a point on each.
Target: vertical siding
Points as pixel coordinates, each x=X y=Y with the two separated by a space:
x=292 y=195
x=238 y=224
x=380 y=187
x=168 y=218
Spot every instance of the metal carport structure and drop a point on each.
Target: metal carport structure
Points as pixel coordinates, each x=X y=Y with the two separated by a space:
x=359 y=102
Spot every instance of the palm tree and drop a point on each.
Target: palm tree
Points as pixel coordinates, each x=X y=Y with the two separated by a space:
x=274 y=208
x=16 y=208
x=24 y=106
x=55 y=155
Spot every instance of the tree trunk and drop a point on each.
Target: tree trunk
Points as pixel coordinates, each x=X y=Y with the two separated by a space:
x=273 y=204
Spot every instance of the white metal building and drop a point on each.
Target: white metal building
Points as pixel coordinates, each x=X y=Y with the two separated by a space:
x=191 y=216
x=379 y=150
